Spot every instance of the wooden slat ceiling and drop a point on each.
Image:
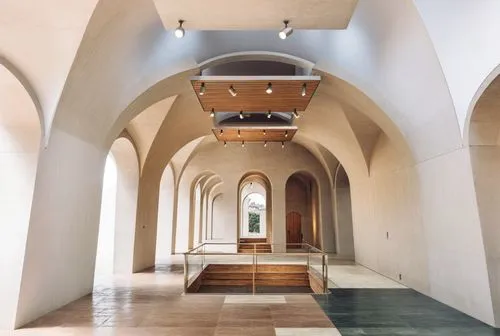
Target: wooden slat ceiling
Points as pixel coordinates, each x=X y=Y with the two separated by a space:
x=251 y=93
x=255 y=134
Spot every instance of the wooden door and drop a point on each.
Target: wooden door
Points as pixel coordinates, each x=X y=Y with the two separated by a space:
x=293 y=228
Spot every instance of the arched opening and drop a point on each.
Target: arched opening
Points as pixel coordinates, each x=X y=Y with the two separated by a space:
x=484 y=147
x=164 y=231
x=255 y=207
x=253 y=211
x=20 y=135
x=217 y=215
x=302 y=211
x=118 y=211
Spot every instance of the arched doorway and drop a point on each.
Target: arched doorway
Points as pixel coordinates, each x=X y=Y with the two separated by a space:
x=254 y=207
x=302 y=211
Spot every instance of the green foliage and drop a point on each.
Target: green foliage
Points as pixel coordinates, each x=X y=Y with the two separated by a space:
x=254 y=222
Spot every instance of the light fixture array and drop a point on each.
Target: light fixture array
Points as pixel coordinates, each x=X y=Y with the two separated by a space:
x=265 y=144
x=264 y=132
x=179 y=32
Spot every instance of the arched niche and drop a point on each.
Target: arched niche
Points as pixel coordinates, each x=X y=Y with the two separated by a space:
x=262 y=186
x=118 y=209
x=302 y=210
x=20 y=137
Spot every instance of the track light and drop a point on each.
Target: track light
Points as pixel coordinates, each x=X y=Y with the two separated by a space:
x=179 y=31
x=265 y=143
x=264 y=132
x=243 y=144
x=286 y=31
x=241 y=115
x=221 y=132
x=296 y=114
x=225 y=144
x=269 y=89
x=202 y=89
x=269 y=114
x=212 y=113
x=282 y=144
x=232 y=91
x=304 y=88
x=286 y=134
x=239 y=134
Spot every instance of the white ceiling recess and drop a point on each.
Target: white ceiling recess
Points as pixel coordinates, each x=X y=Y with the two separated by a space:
x=255 y=14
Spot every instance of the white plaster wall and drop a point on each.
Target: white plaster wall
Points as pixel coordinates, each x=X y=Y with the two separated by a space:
x=20 y=136
x=218 y=215
x=464 y=35
x=165 y=216
x=231 y=164
x=104 y=264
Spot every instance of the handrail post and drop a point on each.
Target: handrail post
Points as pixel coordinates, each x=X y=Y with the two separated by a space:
x=325 y=273
x=308 y=259
x=186 y=270
x=254 y=259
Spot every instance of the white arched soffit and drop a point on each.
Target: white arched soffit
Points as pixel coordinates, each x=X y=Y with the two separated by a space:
x=127 y=166
x=21 y=78
x=164 y=231
x=20 y=136
x=469 y=133
x=484 y=149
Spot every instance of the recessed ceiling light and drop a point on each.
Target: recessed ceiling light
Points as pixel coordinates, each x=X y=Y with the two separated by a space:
x=286 y=134
x=202 y=89
x=232 y=91
x=225 y=144
x=264 y=132
x=221 y=132
x=269 y=89
x=179 y=31
x=286 y=31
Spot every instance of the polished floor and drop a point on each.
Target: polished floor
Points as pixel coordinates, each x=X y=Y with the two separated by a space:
x=396 y=312
x=152 y=303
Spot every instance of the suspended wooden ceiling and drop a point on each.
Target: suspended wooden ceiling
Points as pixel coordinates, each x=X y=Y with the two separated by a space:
x=251 y=93
x=254 y=134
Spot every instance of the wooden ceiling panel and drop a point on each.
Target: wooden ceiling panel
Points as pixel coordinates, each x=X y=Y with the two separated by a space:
x=251 y=93
x=255 y=134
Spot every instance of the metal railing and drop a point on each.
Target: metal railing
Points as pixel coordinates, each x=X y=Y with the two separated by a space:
x=197 y=259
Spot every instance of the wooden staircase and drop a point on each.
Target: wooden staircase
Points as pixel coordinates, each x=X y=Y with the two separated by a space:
x=265 y=275
x=246 y=245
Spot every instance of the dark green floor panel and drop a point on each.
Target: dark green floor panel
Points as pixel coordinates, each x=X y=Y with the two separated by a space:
x=387 y=312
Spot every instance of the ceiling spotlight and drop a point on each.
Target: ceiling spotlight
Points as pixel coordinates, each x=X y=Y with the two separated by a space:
x=221 y=132
x=264 y=132
x=282 y=144
x=241 y=115
x=179 y=31
x=296 y=114
x=225 y=144
x=304 y=87
x=239 y=134
x=269 y=89
x=232 y=91
x=269 y=114
x=265 y=143
x=202 y=89
x=212 y=113
x=286 y=31
x=286 y=134
x=243 y=144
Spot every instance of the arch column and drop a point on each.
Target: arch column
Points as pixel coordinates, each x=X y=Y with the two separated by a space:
x=279 y=217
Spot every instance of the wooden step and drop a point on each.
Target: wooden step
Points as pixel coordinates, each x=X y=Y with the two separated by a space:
x=281 y=276
x=227 y=276
x=229 y=268
x=253 y=240
x=281 y=268
x=229 y=282
x=257 y=246
x=283 y=282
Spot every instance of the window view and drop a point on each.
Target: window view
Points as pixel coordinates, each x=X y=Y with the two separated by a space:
x=255 y=207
